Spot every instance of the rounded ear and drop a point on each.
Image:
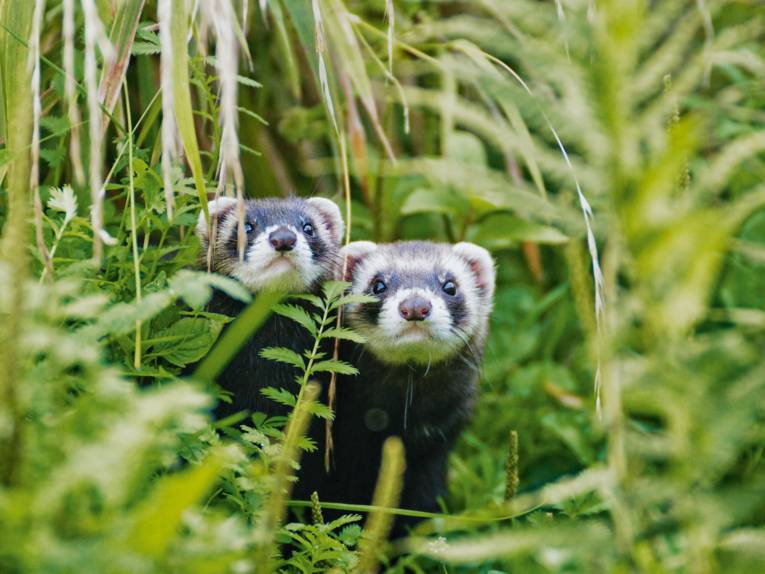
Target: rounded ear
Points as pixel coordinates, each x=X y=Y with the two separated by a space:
x=216 y=206
x=330 y=216
x=353 y=254
x=481 y=264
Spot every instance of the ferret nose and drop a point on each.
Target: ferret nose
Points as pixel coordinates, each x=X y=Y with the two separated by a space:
x=282 y=239
x=415 y=308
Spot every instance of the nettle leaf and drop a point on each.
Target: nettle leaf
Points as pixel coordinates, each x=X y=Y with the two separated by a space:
x=297 y=314
x=283 y=355
x=147 y=43
x=344 y=520
x=187 y=340
x=350 y=534
x=345 y=334
x=53 y=156
x=281 y=396
x=332 y=366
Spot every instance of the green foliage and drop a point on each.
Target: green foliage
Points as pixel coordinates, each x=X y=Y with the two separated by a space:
x=323 y=326
x=110 y=463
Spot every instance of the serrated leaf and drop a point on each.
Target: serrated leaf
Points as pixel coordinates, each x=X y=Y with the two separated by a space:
x=306 y=444
x=53 y=156
x=312 y=299
x=354 y=299
x=344 y=520
x=332 y=366
x=283 y=355
x=281 y=396
x=350 y=534
x=187 y=340
x=345 y=334
x=322 y=411
x=333 y=289
x=297 y=314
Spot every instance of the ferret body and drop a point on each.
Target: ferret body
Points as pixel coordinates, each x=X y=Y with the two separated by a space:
x=418 y=370
x=292 y=245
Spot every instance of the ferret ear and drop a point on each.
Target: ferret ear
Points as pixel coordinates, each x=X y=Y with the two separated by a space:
x=353 y=253
x=481 y=264
x=330 y=216
x=216 y=206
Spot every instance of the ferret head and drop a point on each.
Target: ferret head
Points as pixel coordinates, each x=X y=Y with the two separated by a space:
x=433 y=299
x=292 y=244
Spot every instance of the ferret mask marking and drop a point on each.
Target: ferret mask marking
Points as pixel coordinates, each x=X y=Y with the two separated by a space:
x=420 y=269
x=316 y=224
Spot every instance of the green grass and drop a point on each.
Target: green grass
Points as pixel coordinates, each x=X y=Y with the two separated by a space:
x=444 y=121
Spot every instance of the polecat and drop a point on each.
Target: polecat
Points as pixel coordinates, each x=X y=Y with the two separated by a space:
x=418 y=369
x=292 y=245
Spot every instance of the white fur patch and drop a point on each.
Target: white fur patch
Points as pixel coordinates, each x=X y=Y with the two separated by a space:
x=396 y=340
x=266 y=268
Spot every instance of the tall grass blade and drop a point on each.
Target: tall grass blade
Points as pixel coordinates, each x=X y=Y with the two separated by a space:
x=34 y=173
x=387 y=494
x=15 y=82
x=70 y=93
x=273 y=512
x=236 y=335
x=122 y=37
x=94 y=35
x=184 y=114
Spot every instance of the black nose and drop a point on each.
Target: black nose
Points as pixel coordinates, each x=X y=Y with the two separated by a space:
x=415 y=308
x=282 y=239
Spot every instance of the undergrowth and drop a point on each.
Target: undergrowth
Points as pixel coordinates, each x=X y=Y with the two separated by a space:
x=635 y=397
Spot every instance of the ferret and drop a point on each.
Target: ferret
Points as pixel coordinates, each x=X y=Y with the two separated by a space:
x=292 y=245
x=418 y=370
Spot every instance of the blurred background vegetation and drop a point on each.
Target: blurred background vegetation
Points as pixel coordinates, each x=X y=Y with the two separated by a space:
x=633 y=378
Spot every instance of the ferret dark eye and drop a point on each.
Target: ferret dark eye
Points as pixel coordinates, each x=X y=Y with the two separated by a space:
x=308 y=229
x=378 y=287
x=449 y=288
x=248 y=228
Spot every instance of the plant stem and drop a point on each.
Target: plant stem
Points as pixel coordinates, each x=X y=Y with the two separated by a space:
x=133 y=228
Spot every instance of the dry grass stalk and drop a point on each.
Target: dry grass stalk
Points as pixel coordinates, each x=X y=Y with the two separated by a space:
x=223 y=18
x=387 y=495
x=94 y=34
x=169 y=129
x=390 y=14
x=34 y=172
x=320 y=53
x=73 y=111
x=589 y=221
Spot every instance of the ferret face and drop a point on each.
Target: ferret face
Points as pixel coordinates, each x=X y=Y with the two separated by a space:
x=292 y=244
x=433 y=299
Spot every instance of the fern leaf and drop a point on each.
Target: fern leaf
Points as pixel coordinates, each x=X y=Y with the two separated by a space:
x=283 y=355
x=332 y=366
x=297 y=314
x=345 y=334
x=281 y=396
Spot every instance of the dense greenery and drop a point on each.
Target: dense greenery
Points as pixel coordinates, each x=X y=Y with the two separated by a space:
x=620 y=424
